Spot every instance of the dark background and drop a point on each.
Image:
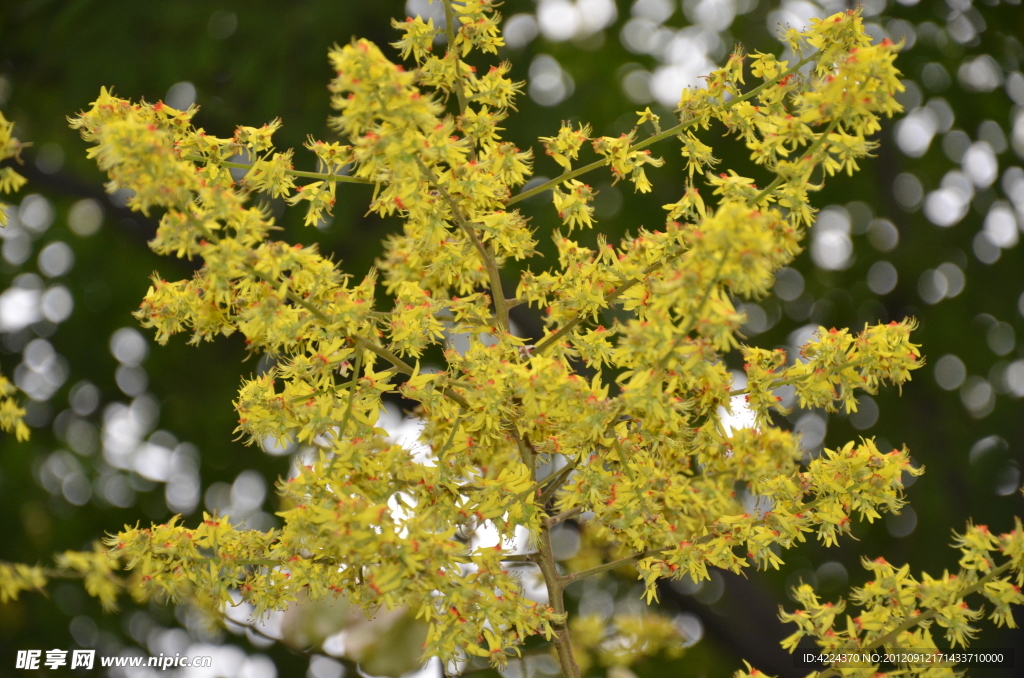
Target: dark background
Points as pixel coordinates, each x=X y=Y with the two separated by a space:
x=254 y=61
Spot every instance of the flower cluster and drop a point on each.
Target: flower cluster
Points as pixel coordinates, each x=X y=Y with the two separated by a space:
x=16 y=577
x=12 y=414
x=10 y=180
x=834 y=365
x=899 y=611
x=639 y=447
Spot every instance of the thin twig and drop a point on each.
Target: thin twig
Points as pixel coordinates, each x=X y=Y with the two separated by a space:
x=451 y=438
x=793 y=380
x=610 y=297
x=360 y=342
x=352 y=391
x=340 y=178
x=526 y=452
x=449 y=16
x=622 y=459
x=563 y=516
x=604 y=567
x=485 y=250
x=249 y=626
x=690 y=325
x=553 y=483
x=537 y=486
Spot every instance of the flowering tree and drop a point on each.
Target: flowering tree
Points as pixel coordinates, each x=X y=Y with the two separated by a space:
x=618 y=429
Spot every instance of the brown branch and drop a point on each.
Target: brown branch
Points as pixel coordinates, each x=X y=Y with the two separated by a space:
x=563 y=516
x=556 y=586
x=554 y=483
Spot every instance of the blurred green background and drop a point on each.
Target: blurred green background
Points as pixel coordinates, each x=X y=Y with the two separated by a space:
x=126 y=431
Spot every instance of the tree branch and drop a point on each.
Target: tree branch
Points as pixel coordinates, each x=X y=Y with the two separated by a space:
x=793 y=380
x=485 y=250
x=655 y=138
x=611 y=296
x=556 y=586
x=323 y=176
x=564 y=516
x=449 y=29
x=554 y=482
x=613 y=565
x=366 y=344
x=911 y=622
